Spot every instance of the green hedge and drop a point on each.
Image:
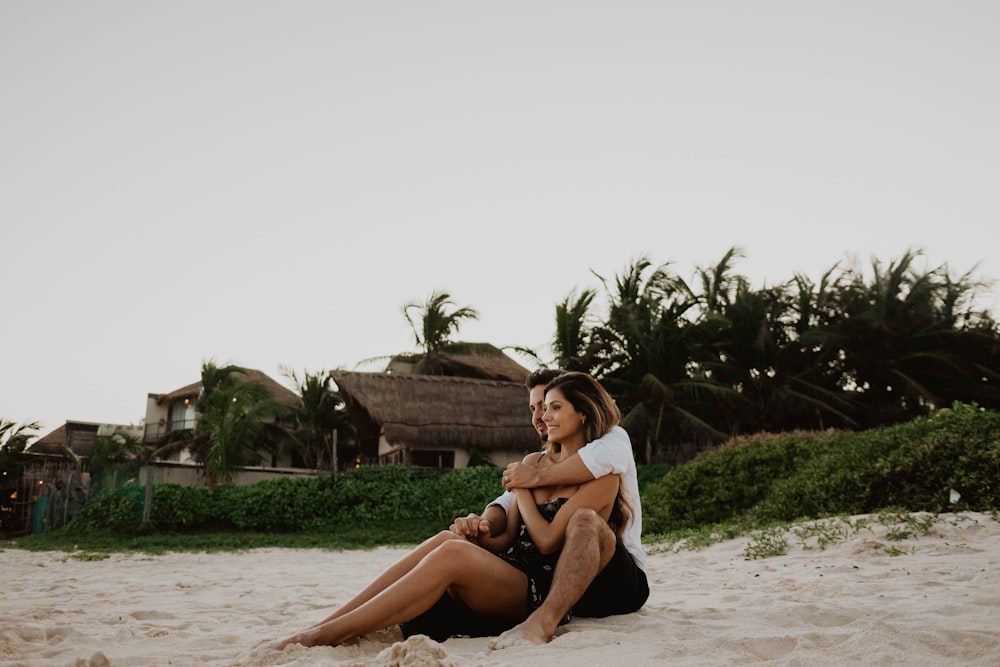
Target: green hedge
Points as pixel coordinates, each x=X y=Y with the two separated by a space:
x=786 y=477
x=363 y=496
x=767 y=478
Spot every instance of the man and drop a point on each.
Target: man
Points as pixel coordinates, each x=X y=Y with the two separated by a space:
x=597 y=574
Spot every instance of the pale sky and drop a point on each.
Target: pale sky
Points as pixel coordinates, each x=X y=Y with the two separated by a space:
x=267 y=183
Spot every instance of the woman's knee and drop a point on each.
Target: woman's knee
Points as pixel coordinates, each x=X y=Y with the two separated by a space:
x=443 y=537
x=450 y=548
x=452 y=559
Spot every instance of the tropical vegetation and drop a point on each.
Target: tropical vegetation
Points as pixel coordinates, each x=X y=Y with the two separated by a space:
x=947 y=461
x=693 y=365
x=238 y=419
x=15 y=437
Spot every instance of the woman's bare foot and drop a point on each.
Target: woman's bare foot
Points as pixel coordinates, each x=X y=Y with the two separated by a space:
x=305 y=638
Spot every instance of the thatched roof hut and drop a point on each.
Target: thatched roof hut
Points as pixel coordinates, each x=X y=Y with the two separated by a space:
x=469 y=360
x=277 y=391
x=397 y=415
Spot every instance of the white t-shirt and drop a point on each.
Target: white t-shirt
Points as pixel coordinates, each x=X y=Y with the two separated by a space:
x=611 y=453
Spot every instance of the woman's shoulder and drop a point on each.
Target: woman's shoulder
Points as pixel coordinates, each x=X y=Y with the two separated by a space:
x=533 y=459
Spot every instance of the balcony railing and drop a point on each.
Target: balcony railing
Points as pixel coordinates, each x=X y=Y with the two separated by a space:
x=159 y=431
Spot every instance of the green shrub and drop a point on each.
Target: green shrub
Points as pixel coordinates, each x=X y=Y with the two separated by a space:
x=177 y=507
x=397 y=493
x=463 y=491
x=377 y=493
x=174 y=508
x=282 y=504
x=721 y=485
x=959 y=449
x=119 y=509
x=651 y=474
x=792 y=476
x=362 y=497
x=767 y=478
x=225 y=505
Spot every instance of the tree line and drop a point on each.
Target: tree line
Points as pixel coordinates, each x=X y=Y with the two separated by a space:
x=693 y=365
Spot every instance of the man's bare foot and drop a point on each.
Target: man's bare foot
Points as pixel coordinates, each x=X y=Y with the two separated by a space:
x=526 y=632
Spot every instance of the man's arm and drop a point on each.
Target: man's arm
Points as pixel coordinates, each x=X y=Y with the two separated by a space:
x=496 y=518
x=611 y=452
x=568 y=471
x=490 y=524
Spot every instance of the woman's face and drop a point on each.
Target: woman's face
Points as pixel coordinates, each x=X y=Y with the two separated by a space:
x=561 y=418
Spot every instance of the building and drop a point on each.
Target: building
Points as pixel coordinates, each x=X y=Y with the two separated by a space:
x=174 y=412
x=437 y=421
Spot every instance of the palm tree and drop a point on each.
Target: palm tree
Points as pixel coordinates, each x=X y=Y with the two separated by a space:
x=318 y=416
x=433 y=325
x=574 y=346
x=14 y=437
x=647 y=348
x=111 y=449
x=758 y=344
x=214 y=376
x=236 y=418
x=900 y=344
x=808 y=367
x=718 y=284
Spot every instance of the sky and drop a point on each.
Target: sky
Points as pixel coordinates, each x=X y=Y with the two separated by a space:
x=269 y=183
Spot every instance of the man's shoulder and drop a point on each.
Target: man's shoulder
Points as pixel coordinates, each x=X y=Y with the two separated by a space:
x=616 y=436
x=612 y=451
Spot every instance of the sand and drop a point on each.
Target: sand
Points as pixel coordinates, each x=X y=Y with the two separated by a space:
x=842 y=595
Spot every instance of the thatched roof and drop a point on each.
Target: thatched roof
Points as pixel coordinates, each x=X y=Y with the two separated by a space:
x=190 y=391
x=280 y=393
x=439 y=412
x=470 y=360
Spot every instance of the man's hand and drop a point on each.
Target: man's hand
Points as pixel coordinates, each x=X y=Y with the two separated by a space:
x=520 y=476
x=472 y=527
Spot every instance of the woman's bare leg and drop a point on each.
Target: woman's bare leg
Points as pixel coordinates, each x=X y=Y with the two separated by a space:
x=485 y=583
x=392 y=574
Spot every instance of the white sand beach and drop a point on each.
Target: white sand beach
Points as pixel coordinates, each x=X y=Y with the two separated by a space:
x=863 y=599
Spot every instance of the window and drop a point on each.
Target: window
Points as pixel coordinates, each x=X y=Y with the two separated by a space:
x=429 y=458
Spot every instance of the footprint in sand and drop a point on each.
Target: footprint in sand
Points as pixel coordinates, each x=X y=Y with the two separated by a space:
x=96 y=660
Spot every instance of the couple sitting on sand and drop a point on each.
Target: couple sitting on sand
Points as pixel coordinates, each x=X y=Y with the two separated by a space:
x=563 y=539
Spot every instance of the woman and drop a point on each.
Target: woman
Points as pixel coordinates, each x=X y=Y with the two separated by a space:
x=500 y=579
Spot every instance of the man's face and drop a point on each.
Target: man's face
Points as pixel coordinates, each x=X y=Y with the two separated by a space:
x=536 y=402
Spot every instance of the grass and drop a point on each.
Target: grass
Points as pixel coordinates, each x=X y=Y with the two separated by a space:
x=766 y=541
x=900 y=525
x=335 y=538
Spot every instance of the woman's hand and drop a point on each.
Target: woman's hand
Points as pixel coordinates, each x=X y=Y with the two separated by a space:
x=474 y=528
